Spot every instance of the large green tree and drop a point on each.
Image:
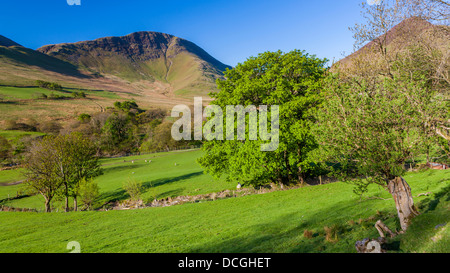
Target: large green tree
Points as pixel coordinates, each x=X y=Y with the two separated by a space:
x=287 y=80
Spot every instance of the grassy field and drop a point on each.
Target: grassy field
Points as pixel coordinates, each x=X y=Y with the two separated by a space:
x=271 y=222
x=13 y=135
x=17 y=100
x=160 y=179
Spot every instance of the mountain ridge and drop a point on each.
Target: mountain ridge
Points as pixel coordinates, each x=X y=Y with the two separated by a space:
x=412 y=28
x=145 y=56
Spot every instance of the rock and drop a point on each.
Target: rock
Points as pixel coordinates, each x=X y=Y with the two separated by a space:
x=370 y=245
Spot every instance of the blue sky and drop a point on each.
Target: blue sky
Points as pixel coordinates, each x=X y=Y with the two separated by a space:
x=230 y=30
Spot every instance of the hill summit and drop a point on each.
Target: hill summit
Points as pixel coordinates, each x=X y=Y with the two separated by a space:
x=7 y=42
x=401 y=35
x=148 y=59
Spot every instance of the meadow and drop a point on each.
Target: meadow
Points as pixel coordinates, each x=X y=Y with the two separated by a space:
x=160 y=178
x=324 y=218
x=15 y=101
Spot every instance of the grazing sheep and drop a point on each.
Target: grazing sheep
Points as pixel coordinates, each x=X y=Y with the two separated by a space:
x=238 y=186
x=132 y=161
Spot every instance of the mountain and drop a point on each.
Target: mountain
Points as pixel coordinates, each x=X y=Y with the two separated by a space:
x=401 y=36
x=145 y=60
x=22 y=66
x=7 y=42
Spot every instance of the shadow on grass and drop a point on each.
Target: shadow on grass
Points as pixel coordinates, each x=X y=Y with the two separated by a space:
x=285 y=233
x=120 y=168
x=10 y=102
x=121 y=194
x=429 y=204
x=164 y=181
x=172 y=193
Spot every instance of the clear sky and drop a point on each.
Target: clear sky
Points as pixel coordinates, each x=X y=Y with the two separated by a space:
x=230 y=30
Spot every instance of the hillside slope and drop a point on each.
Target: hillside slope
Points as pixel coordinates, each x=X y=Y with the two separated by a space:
x=171 y=65
x=264 y=223
x=22 y=66
x=403 y=35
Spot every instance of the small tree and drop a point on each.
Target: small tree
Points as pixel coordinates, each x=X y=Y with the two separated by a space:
x=85 y=162
x=133 y=188
x=56 y=164
x=41 y=170
x=89 y=191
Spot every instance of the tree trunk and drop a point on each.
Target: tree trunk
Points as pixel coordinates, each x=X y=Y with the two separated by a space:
x=75 y=203
x=47 y=205
x=66 y=208
x=301 y=179
x=401 y=192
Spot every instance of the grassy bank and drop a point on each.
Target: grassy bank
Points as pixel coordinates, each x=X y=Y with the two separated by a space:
x=334 y=217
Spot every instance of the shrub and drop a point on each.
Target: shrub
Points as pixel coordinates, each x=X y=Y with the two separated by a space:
x=79 y=94
x=307 y=234
x=5 y=149
x=51 y=127
x=331 y=233
x=88 y=191
x=133 y=188
x=54 y=96
x=48 y=85
x=84 y=118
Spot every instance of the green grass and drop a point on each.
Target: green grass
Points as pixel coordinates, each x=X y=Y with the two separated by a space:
x=160 y=179
x=14 y=93
x=13 y=135
x=272 y=222
x=26 y=93
x=9 y=176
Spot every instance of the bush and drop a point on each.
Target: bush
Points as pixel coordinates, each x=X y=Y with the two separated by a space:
x=51 y=127
x=88 y=192
x=84 y=118
x=133 y=188
x=5 y=149
x=126 y=105
x=79 y=94
x=54 y=96
x=48 y=85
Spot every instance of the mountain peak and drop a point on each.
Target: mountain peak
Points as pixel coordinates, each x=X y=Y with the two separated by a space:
x=407 y=30
x=7 y=42
x=146 y=57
